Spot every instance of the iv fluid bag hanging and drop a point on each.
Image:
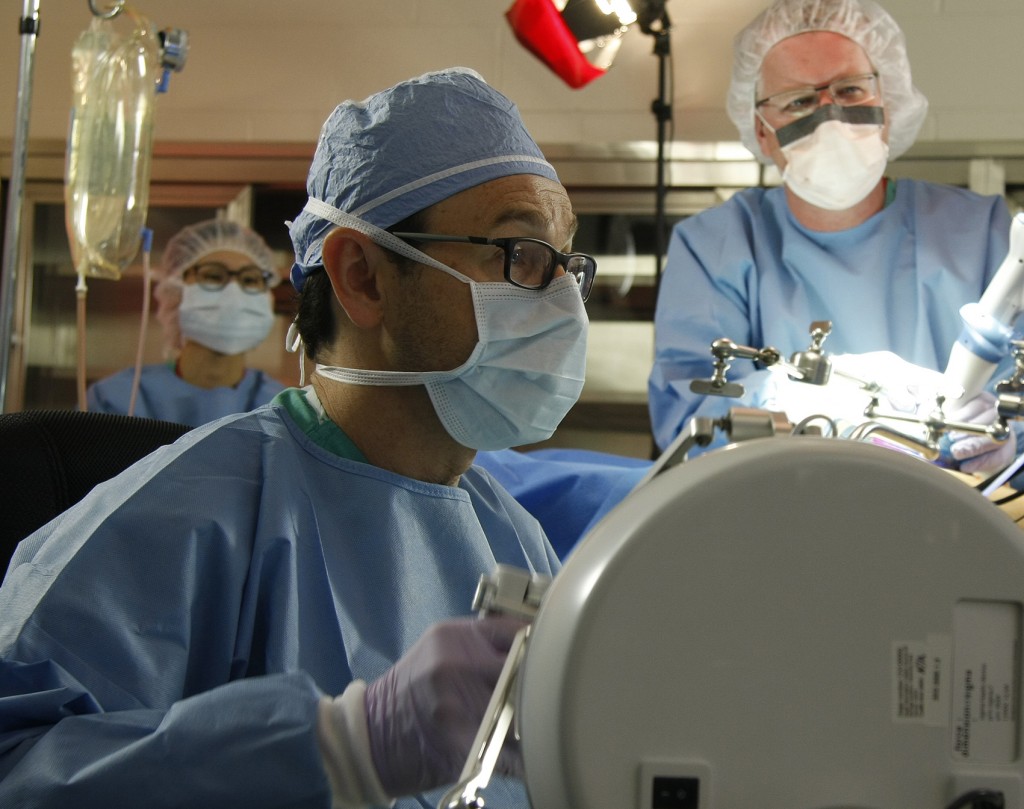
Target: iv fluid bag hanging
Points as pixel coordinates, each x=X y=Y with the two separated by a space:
x=110 y=138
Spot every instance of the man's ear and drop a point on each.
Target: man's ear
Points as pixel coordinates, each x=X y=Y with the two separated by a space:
x=351 y=261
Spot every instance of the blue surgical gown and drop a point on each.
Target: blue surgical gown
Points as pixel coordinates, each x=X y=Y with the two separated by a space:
x=567 y=490
x=166 y=641
x=164 y=395
x=748 y=271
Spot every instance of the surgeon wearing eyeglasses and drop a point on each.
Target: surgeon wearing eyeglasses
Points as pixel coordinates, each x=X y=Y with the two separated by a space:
x=214 y=304
x=822 y=89
x=276 y=610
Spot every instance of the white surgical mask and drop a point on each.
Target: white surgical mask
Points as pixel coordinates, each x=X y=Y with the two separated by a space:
x=227 y=320
x=524 y=375
x=838 y=163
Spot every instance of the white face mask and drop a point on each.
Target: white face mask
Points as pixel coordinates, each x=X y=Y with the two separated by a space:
x=227 y=320
x=524 y=375
x=839 y=161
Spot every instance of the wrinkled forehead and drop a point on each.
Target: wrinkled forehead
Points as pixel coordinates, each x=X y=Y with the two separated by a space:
x=519 y=204
x=810 y=58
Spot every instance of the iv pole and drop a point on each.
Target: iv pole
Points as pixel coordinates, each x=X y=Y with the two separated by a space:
x=29 y=29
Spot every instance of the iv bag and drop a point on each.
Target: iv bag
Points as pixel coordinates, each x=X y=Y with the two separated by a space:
x=110 y=139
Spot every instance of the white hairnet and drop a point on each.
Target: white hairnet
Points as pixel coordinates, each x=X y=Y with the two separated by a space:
x=185 y=249
x=863 y=21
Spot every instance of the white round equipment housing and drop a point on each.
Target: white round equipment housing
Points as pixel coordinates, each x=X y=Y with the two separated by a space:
x=787 y=623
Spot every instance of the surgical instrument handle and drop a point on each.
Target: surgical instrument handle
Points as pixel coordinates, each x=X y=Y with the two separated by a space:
x=483 y=755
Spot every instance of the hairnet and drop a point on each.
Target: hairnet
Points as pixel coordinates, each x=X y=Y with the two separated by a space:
x=863 y=21
x=189 y=245
x=407 y=148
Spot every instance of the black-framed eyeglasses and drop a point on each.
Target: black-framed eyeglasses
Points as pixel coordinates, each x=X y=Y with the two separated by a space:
x=851 y=91
x=214 y=276
x=529 y=263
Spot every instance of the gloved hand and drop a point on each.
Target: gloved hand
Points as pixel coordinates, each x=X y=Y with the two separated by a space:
x=424 y=712
x=980 y=453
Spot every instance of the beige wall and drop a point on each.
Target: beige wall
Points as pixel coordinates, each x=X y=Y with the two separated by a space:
x=272 y=71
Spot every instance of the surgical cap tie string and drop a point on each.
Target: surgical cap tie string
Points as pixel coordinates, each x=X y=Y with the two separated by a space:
x=379 y=236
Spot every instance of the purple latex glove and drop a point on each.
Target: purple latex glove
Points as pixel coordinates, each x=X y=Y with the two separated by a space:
x=424 y=712
x=980 y=453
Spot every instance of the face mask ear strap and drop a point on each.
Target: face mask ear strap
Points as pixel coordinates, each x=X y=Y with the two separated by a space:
x=293 y=345
x=764 y=121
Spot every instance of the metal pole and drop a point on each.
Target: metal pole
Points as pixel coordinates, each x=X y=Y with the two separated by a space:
x=653 y=20
x=662 y=108
x=29 y=29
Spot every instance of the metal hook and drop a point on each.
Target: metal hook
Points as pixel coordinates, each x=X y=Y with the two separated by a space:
x=110 y=13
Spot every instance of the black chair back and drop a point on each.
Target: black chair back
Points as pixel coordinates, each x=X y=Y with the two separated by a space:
x=51 y=459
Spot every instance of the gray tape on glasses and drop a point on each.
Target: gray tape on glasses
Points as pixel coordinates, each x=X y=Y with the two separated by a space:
x=830 y=112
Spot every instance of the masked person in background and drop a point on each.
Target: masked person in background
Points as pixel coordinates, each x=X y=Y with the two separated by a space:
x=276 y=609
x=214 y=303
x=822 y=89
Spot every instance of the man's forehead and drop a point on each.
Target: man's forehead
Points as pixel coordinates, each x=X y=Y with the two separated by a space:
x=813 y=57
x=528 y=200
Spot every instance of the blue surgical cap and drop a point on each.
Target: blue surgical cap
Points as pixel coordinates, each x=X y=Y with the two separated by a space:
x=407 y=148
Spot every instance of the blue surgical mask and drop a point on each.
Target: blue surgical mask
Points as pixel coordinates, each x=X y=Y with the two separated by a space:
x=524 y=375
x=526 y=370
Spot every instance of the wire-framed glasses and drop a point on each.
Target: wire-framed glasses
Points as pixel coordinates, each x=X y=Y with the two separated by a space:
x=214 y=276
x=851 y=91
x=529 y=263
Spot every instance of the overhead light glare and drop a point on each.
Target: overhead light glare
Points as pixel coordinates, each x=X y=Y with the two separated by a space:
x=620 y=8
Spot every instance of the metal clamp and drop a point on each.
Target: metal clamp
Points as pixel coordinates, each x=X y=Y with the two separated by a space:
x=510 y=591
x=811 y=366
x=936 y=424
x=724 y=350
x=814 y=367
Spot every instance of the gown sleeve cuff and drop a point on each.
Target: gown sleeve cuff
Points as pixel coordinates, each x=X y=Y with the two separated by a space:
x=344 y=741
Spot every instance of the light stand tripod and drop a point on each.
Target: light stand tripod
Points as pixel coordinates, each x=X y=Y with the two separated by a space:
x=653 y=20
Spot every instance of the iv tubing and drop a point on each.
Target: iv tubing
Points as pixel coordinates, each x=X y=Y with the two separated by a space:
x=80 y=292
x=147 y=247
x=29 y=27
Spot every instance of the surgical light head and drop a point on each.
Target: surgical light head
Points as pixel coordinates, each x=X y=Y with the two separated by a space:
x=863 y=21
x=380 y=160
x=187 y=247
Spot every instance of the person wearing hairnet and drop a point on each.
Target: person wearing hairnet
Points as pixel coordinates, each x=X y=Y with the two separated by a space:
x=822 y=88
x=214 y=303
x=275 y=610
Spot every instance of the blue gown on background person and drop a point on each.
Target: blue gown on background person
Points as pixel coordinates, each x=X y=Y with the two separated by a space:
x=164 y=395
x=748 y=271
x=567 y=490
x=219 y=588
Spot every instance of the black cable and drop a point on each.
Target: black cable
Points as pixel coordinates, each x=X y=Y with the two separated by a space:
x=803 y=424
x=989 y=480
x=1008 y=499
